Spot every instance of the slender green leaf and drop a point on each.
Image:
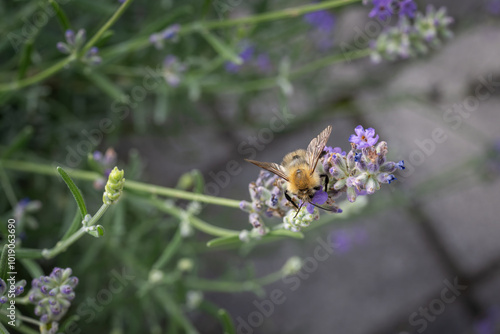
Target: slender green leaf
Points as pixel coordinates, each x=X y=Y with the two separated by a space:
x=227 y=322
x=61 y=17
x=3 y=262
x=224 y=241
x=74 y=190
x=224 y=51
x=169 y=251
x=3 y=330
x=25 y=59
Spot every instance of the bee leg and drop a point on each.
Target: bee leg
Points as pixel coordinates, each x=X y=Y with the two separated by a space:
x=290 y=200
x=327 y=180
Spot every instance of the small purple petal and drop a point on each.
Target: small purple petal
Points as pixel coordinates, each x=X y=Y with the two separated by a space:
x=319 y=197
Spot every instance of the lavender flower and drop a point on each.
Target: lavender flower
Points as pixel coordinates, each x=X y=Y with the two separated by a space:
x=246 y=55
x=381 y=9
x=344 y=239
x=170 y=33
x=19 y=289
x=296 y=221
x=323 y=22
x=172 y=70
x=363 y=138
x=53 y=294
x=26 y=206
x=407 y=39
x=75 y=42
x=406 y=8
x=322 y=19
x=493 y=7
x=268 y=199
x=432 y=25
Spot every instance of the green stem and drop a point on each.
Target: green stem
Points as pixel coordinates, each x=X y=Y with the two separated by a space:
x=267 y=83
x=61 y=246
x=220 y=286
x=271 y=16
x=130 y=185
x=105 y=27
x=4 y=87
x=195 y=222
x=181 y=194
x=174 y=311
x=24 y=318
x=271 y=278
x=7 y=188
x=169 y=251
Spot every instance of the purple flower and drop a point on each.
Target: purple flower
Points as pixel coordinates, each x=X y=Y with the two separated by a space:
x=97 y=156
x=321 y=19
x=341 y=241
x=63 y=48
x=92 y=56
x=319 y=198
x=407 y=8
x=401 y=165
x=246 y=55
x=172 y=69
x=52 y=299
x=382 y=9
x=493 y=7
x=170 y=33
x=363 y=138
x=329 y=149
x=70 y=36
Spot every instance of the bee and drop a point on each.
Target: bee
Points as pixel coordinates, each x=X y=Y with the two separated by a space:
x=298 y=169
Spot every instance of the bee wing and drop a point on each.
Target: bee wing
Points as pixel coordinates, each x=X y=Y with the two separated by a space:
x=315 y=148
x=272 y=167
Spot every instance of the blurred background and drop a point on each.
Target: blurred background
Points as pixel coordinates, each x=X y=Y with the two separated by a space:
x=419 y=256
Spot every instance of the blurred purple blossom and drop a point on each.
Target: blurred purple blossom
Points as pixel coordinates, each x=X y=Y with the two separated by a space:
x=170 y=33
x=246 y=55
x=343 y=240
x=172 y=70
x=322 y=19
x=381 y=9
x=493 y=7
x=323 y=22
x=407 y=8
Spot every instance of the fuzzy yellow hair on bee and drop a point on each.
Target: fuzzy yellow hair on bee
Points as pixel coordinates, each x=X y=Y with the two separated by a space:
x=298 y=168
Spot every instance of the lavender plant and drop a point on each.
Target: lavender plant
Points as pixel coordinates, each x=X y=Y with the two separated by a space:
x=183 y=56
